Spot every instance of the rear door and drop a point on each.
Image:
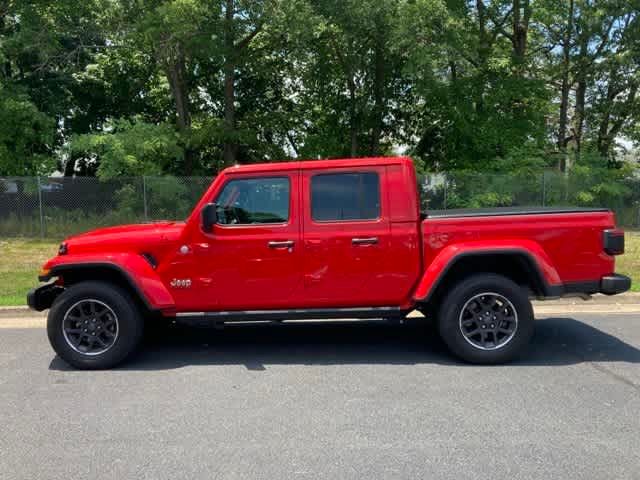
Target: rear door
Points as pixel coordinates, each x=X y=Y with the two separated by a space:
x=346 y=236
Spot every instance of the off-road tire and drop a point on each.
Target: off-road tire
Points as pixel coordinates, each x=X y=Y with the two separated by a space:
x=450 y=319
x=129 y=321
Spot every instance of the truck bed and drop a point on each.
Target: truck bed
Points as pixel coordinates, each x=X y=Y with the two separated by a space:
x=571 y=238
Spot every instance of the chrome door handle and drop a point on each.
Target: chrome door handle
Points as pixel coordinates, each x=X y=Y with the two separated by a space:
x=364 y=241
x=284 y=244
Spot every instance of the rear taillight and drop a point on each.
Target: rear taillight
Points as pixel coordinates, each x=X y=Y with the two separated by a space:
x=613 y=241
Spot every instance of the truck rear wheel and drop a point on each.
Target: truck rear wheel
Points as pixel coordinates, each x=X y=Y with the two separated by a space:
x=94 y=325
x=486 y=319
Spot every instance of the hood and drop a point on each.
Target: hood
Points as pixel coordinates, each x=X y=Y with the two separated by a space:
x=141 y=236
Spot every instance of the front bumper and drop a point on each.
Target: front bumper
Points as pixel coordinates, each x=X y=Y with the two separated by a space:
x=41 y=298
x=614 y=284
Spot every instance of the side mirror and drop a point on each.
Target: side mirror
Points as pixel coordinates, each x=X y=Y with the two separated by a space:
x=209 y=217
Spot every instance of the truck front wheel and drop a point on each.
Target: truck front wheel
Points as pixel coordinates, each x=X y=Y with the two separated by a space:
x=486 y=319
x=94 y=325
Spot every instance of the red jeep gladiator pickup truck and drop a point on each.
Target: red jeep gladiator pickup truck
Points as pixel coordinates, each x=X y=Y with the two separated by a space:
x=326 y=239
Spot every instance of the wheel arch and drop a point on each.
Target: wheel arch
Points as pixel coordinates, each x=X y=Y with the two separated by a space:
x=145 y=288
x=102 y=272
x=519 y=265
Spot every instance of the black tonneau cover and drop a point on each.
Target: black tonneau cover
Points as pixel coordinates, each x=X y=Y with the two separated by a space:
x=502 y=211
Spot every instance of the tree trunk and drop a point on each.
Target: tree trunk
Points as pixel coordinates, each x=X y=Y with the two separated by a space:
x=484 y=50
x=353 y=118
x=581 y=91
x=606 y=135
x=177 y=83
x=626 y=111
x=6 y=69
x=484 y=46
x=230 y=144
x=521 y=16
x=70 y=166
x=454 y=73
x=294 y=144
x=603 y=130
x=564 y=92
x=175 y=68
x=378 y=96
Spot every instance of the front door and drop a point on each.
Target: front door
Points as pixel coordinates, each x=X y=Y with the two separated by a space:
x=346 y=238
x=251 y=259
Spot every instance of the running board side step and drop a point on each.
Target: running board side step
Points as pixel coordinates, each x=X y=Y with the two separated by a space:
x=278 y=316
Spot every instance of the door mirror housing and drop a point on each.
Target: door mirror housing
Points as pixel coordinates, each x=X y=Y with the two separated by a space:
x=209 y=216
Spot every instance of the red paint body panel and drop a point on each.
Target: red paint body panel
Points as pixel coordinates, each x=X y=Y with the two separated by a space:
x=138 y=270
x=234 y=268
x=447 y=255
x=567 y=247
x=337 y=272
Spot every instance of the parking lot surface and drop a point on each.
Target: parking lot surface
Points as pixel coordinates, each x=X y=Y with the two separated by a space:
x=335 y=401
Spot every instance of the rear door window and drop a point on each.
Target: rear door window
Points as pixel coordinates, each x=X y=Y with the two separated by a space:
x=345 y=196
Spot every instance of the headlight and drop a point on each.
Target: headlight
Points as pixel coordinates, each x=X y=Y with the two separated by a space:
x=62 y=249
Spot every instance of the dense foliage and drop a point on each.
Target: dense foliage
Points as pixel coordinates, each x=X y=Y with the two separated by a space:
x=186 y=87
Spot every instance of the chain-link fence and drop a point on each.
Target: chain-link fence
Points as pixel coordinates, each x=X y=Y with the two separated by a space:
x=544 y=189
x=56 y=207
x=59 y=206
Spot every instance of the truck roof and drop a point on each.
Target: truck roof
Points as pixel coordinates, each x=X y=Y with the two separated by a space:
x=315 y=164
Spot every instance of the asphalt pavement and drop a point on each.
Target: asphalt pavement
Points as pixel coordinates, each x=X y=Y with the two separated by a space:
x=336 y=401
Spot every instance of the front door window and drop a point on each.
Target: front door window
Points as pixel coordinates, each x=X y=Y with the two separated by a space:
x=250 y=201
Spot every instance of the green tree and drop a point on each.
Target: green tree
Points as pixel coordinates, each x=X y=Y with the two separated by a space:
x=187 y=87
x=478 y=101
